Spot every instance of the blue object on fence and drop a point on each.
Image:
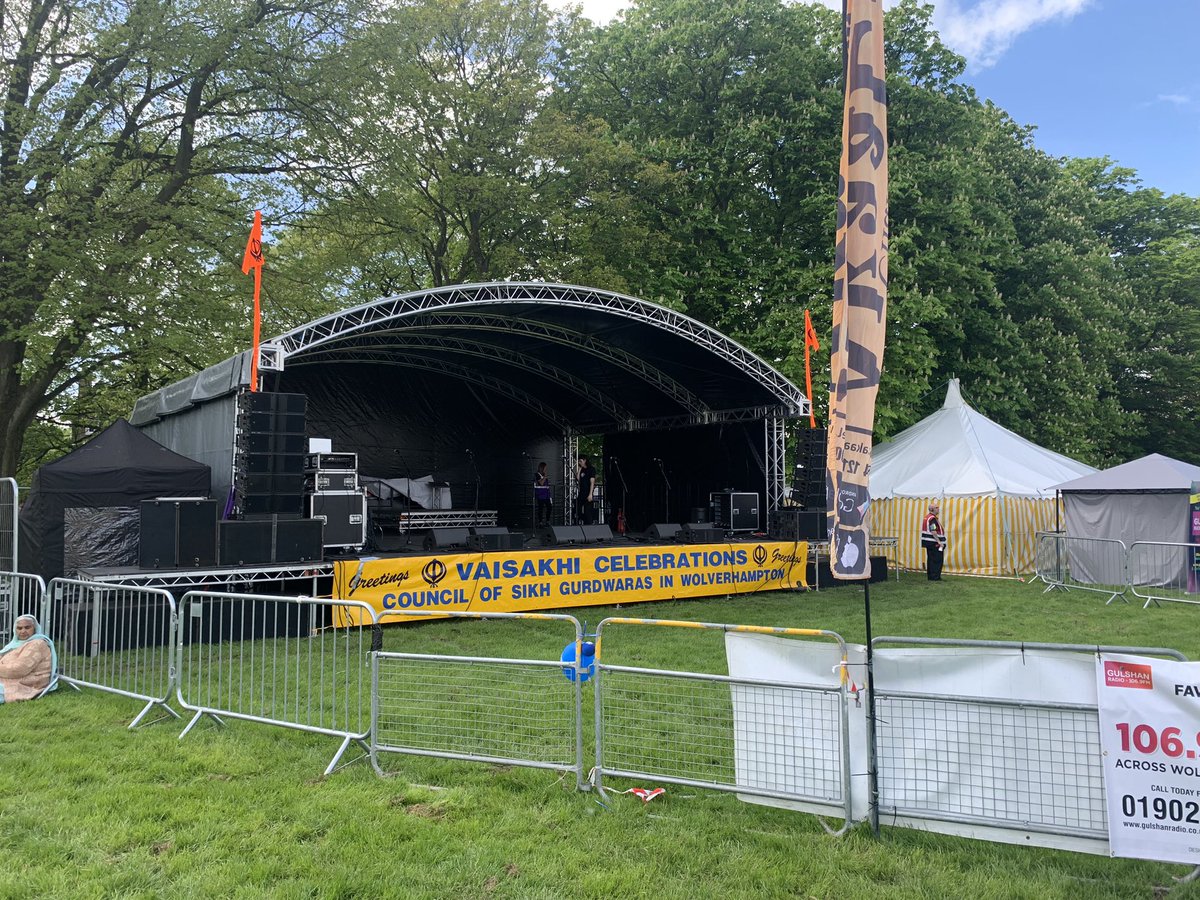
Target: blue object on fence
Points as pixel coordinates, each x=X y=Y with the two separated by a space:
x=587 y=665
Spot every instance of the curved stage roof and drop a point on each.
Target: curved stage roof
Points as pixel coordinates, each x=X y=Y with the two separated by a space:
x=573 y=358
x=520 y=372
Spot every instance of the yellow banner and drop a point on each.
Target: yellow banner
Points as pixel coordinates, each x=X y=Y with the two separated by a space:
x=566 y=577
x=860 y=289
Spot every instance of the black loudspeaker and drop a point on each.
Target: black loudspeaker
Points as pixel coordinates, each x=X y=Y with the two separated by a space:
x=808 y=480
x=246 y=543
x=178 y=532
x=594 y=533
x=790 y=524
x=662 y=531
x=496 y=539
x=299 y=540
x=445 y=538
x=702 y=533
x=563 y=534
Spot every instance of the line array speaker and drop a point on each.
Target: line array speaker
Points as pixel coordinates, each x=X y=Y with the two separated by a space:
x=269 y=454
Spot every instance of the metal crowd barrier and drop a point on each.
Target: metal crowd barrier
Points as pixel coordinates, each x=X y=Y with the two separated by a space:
x=114 y=638
x=1018 y=765
x=522 y=712
x=20 y=595
x=720 y=732
x=1160 y=571
x=10 y=504
x=1081 y=563
x=276 y=660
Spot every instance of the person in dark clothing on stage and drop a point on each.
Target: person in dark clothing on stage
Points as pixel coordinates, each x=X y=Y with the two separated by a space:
x=542 y=496
x=586 y=499
x=933 y=539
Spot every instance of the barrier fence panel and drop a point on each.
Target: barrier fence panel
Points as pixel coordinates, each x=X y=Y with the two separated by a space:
x=10 y=504
x=1084 y=564
x=993 y=739
x=1164 y=571
x=522 y=712
x=114 y=638
x=295 y=662
x=20 y=595
x=777 y=739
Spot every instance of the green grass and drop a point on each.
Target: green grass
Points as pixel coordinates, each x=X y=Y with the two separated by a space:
x=90 y=809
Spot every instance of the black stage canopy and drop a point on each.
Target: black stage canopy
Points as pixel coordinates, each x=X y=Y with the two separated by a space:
x=473 y=384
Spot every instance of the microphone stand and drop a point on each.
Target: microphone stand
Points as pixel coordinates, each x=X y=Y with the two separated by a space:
x=475 y=469
x=407 y=500
x=667 y=497
x=621 y=477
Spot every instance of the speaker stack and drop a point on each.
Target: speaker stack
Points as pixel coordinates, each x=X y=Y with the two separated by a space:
x=269 y=455
x=808 y=480
x=332 y=495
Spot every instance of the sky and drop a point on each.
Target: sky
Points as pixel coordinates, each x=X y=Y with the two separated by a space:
x=1114 y=78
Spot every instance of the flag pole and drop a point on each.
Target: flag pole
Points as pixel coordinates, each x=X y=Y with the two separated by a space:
x=253 y=259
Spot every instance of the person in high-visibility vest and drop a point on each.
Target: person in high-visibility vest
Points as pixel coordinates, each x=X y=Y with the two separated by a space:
x=933 y=539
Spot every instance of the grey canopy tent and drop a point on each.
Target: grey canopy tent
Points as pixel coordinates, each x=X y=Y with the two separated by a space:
x=1146 y=499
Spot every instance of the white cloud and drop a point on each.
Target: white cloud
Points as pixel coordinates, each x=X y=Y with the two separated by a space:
x=1175 y=99
x=983 y=31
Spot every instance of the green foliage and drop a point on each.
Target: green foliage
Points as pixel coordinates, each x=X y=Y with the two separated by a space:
x=124 y=133
x=686 y=153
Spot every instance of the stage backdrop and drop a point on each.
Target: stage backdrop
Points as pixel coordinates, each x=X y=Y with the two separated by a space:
x=522 y=581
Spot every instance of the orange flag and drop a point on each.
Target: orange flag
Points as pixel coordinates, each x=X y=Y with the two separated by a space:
x=810 y=343
x=860 y=289
x=253 y=259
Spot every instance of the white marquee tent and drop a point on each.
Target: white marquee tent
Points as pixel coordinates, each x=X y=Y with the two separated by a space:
x=996 y=489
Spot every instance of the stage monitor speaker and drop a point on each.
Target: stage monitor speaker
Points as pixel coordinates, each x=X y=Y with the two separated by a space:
x=177 y=532
x=299 y=540
x=488 y=529
x=487 y=539
x=246 y=543
x=562 y=534
x=446 y=538
x=702 y=533
x=594 y=533
x=663 y=531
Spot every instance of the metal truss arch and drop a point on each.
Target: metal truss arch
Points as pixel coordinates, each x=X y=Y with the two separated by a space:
x=391 y=311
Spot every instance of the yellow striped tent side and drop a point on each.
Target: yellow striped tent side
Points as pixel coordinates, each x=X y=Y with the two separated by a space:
x=984 y=535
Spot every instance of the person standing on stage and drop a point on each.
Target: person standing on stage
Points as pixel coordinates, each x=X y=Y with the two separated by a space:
x=542 y=496
x=933 y=539
x=586 y=499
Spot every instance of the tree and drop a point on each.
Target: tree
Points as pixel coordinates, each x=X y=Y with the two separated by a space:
x=130 y=133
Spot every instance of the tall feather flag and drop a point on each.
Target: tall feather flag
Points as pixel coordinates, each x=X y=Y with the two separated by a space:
x=253 y=259
x=860 y=288
x=810 y=343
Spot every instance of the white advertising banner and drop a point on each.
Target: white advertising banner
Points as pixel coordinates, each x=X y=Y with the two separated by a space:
x=1150 y=739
